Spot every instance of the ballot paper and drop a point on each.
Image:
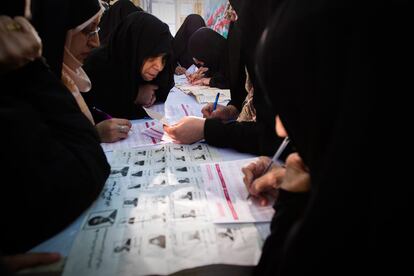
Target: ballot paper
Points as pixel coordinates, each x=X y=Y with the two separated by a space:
x=180 y=80
x=227 y=194
x=206 y=94
x=155 y=130
x=136 y=138
x=172 y=113
x=192 y=69
x=152 y=217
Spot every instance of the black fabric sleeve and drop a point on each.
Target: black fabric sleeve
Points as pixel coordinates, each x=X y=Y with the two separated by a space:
x=249 y=137
x=219 y=80
x=54 y=159
x=289 y=209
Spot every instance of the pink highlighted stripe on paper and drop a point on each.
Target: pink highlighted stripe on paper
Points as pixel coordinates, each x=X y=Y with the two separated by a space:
x=226 y=193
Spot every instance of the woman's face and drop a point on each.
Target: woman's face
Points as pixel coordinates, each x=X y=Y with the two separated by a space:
x=152 y=66
x=85 y=41
x=280 y=129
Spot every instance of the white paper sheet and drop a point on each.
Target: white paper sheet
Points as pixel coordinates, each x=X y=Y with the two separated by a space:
x=192 y=69
x=156 y=131
x=152 y=218
x=227 y=194
x=135 y=139
x=205 y=94
x=172 y=113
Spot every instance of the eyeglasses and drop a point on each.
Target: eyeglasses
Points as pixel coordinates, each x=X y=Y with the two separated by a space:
x=89 y=34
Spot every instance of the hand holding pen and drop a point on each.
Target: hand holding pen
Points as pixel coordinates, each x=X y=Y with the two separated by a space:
x=257 y=178
x=112 y=129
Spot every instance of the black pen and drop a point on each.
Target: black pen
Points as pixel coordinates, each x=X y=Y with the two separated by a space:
x=275 y=157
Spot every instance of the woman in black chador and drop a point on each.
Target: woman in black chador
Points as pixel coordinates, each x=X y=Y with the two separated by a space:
x=133 y=69
x=183 y=58
x=113 y=16
x=209 y=50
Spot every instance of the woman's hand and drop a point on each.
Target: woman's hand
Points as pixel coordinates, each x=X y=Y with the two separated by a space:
x=146 y=95
x=297 y=177
x=179 y=70
x=263 y=186
x=187 y=131
x=19 y=43
x=293 y=177
x=197 y=75
x=113 y=130
x=203 y=82
x=224 y=113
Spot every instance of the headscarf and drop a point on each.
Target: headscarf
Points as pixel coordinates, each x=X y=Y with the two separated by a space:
x=192 y=23
x=56 y=140
x=115 y=68
x=113 y=16
x=209 y=47
x=73 y=76
x=53 y=18
x=319 y=63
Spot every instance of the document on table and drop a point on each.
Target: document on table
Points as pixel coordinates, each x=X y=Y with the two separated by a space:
x=136 y=138
x=152 y=217
x=206 y=94
x=192 y=69
x=226 y=193
x=172 y=113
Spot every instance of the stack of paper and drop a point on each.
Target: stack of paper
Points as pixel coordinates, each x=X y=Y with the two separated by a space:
x=206 y=94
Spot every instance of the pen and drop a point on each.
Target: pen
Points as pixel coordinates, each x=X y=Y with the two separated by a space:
x=216 y=101
x=106 y=115
x=275 y=157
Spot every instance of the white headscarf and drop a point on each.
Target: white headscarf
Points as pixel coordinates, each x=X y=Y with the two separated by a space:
x=73 y=76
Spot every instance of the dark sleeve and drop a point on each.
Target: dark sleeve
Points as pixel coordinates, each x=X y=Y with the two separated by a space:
x=289 y=209
x=54 y=160
x=219 y=80
x=249 y=137
x=236 y=67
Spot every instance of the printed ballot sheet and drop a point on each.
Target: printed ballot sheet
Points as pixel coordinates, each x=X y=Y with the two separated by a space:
x=171 y=113
x=152 y=217
x=226 y=193
x=136 y=138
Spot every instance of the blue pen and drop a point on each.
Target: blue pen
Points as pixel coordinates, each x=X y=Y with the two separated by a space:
x=216 y=101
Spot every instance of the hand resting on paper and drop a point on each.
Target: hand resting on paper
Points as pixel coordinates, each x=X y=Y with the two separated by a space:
x=113 y=130
x=202 y=81
x=294 y=177
x=199 y=74
x=224 y=113
x=146 y=95
x=179 y=70
x=188 y=130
